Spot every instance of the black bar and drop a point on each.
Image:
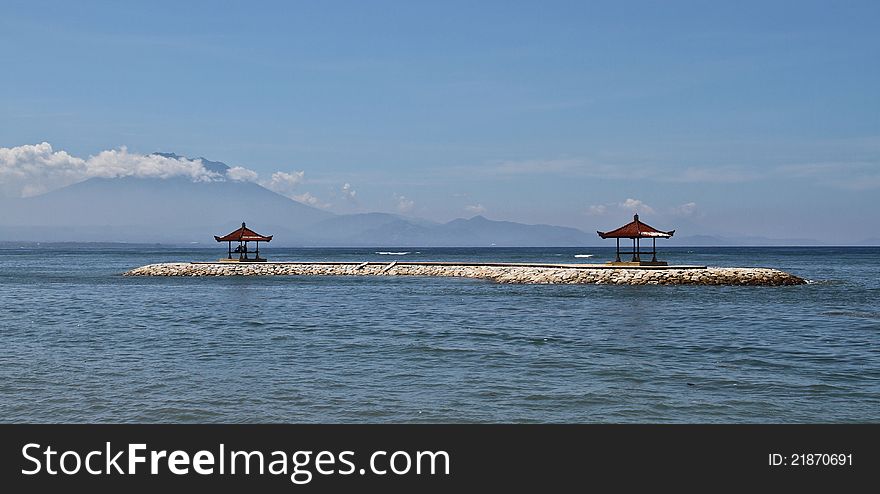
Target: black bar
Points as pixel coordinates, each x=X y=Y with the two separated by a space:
x=545 y=458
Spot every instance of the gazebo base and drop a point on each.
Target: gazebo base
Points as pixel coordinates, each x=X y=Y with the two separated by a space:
x=262 y=259
x=638 y=263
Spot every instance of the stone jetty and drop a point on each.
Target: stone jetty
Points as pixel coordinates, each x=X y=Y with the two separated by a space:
x=601 y=274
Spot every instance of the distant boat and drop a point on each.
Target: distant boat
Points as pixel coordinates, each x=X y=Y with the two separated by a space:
x=583 y=255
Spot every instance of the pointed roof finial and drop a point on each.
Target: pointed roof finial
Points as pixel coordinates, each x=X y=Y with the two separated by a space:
x=635 y=218
x=242 y=224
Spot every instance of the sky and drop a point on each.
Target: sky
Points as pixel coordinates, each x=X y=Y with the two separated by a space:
x=724 y=118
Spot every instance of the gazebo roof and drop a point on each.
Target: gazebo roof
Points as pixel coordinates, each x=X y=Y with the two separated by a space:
x=243 y=234
x=636 y=229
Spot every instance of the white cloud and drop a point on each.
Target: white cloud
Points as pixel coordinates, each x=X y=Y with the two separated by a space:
x=241 y=174
x=719 y=174
x=32 y=169
x=120 y=163
x=284 y=183
x=37 y=168
x=635 y=206
x=404 y=205
x=687 y=209
x=597 y=210
x=348 y=192
x=475 y=208
x=307 y=198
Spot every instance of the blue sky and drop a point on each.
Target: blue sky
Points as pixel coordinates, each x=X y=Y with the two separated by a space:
x=738 y=118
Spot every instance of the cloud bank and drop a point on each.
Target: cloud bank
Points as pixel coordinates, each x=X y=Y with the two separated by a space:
x=34 y=169
x=241 y=174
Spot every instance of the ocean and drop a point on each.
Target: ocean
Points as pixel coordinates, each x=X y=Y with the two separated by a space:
x=81 y=343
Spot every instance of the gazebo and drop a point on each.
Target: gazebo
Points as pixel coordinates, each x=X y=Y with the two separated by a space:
x=636 y=230
x=244 y=235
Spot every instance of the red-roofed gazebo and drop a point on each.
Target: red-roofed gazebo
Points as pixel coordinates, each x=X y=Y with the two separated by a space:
x=636 y=230
x=244 y=235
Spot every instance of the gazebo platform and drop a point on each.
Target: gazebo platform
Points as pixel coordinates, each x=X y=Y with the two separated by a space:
x=636 y=263
x=224 y=260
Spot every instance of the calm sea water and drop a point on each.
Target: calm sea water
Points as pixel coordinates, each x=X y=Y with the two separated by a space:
x=81 y=343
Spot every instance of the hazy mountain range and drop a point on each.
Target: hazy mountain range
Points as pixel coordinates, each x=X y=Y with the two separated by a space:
x=180 y=211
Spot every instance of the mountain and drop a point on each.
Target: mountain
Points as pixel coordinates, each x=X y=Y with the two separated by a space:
x=380 y=229
x=180 y=211
x=359 y=229
x=482 y=231
x=174 y=210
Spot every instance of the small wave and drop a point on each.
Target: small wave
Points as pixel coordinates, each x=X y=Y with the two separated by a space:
x=583 y=255
x=853 y=313
x=825 y=282
x=386 y=253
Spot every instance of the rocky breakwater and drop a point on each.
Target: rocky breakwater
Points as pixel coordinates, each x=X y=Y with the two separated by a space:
x=493 y=272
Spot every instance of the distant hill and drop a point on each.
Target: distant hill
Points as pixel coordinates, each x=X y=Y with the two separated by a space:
x=483 y=231
x=379 y=229
x=179 y=211
x=151 y=210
